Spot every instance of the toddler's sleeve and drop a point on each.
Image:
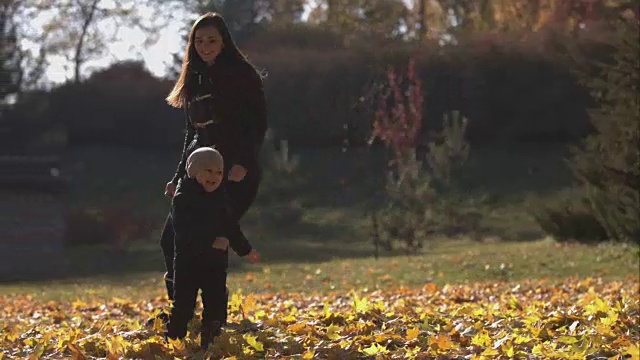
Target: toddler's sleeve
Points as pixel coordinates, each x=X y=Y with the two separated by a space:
x=238 y=242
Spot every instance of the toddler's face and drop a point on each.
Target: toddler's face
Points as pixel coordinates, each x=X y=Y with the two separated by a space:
x=210 y=177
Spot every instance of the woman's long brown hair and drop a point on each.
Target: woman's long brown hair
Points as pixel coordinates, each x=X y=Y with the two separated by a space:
x=230 y=52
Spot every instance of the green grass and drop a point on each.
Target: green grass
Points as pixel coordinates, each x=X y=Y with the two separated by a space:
x=446 y=262
x=328 y=247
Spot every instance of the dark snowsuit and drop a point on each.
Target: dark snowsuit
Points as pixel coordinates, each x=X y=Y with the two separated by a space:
x=198 y=218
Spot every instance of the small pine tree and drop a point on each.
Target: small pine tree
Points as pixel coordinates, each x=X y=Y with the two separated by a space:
x=608 y=161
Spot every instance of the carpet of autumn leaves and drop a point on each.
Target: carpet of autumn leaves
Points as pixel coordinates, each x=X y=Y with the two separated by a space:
x=555 y=319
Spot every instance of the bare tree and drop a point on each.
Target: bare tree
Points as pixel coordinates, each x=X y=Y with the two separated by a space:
x=80 y=30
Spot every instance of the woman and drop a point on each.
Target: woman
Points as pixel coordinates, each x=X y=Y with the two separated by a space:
x=223 y=98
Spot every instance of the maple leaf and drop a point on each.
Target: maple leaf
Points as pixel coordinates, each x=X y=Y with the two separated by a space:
x=442 y=343
x=375 y=349
x=253 y=342
x=360 y=305
x=597 y=306
x=333 y=332
x=481 y=338
x=412 y=333
x=633 y=351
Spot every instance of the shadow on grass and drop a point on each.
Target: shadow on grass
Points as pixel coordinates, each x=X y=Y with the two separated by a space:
x=322 y=235
x=305 y=242
x=333 y=184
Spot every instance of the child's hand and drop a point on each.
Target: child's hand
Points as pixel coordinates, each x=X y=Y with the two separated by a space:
x=252 y=257
x=170 y=189
x=220 y=243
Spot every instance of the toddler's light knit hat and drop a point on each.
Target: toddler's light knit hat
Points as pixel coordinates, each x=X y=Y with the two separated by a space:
x=202 y=158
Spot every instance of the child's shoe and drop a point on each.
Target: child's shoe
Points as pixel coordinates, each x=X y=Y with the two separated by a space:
x=209 y=333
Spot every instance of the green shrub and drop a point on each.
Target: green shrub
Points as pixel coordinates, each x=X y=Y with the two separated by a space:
x=281 y=176
x=114 y=226
x=569 y=218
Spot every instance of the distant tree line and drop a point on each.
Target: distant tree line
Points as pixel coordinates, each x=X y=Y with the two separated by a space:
x=492 y=60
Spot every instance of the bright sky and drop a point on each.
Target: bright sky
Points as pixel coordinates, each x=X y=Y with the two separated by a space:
x=130 y=45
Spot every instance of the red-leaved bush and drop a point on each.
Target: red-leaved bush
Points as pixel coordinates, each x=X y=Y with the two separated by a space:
x=416 y=206
x=398 y=119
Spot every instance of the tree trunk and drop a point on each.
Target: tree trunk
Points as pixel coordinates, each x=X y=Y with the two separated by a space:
x=332 y=10
x=422 y=18
x=78 y=58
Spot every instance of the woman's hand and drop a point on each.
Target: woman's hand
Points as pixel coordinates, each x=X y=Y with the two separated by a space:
x=170 y=189
x=237 y=173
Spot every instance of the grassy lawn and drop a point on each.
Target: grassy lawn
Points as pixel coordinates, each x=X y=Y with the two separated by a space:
x=446 y=262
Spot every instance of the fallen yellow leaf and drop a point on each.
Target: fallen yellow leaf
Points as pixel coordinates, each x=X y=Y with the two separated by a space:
x=412 y=333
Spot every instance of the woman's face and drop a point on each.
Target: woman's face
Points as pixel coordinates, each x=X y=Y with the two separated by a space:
x=208 y=43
